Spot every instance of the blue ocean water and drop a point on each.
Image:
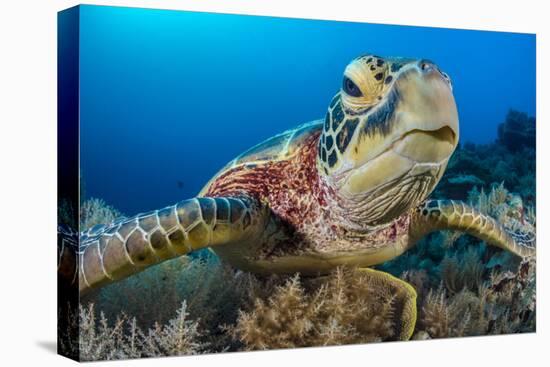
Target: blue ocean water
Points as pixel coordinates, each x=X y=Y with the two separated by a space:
x=168 y=97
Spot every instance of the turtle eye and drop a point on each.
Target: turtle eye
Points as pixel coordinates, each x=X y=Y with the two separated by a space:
x=350 y=88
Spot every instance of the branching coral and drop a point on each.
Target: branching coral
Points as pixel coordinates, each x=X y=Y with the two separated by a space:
x=475 y=289
x=342 y=308
x=66 y=214
x=464 y=287
x=483 y=290
x=101 y=339
x=276 y=312
x=503 y=304
x=464 y=271
x=508 y=209
x=213 y=293
x=92 y=211
x=67 y=330
x=96 y=211
x=443 y=317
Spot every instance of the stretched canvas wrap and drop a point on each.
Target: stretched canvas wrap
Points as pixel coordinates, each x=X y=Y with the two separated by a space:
x=233 y=183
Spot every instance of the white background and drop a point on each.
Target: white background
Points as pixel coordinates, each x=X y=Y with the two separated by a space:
x=28 y=181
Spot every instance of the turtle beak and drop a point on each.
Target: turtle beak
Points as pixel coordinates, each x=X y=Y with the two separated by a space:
x=427 y=146
x=428 y=115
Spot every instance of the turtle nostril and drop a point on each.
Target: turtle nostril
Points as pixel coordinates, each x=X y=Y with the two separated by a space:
x=426 y=66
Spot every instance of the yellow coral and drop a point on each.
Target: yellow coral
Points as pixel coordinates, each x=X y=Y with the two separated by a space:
x=504 y=304
x=342 y=308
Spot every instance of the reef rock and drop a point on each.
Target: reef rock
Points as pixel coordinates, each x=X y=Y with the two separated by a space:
x=458 y=186
x=517 y=131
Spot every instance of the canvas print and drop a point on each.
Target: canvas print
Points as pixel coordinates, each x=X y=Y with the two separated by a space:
x=233 y=183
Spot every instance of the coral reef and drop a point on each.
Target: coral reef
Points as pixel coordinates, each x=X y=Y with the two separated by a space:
x=509 y=160
x=517 y=131
x=196 y=304
x=68 y=329
x=96 y=211
x=212 y=291
x=504 y=304
x=101 y=339
x=66 y=214
x=233 y=311
x=343 y=308
x=92 y=211
x=468 y=288
x=465 y=287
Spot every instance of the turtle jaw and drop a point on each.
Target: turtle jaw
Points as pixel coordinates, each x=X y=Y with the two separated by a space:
x=426 y=146
x=421 y=154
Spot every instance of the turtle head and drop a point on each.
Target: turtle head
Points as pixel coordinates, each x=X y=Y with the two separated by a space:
x=388 y=136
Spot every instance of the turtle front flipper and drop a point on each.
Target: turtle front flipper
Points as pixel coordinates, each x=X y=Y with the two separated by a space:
x=404 y=300
x=456 y=215
x=110 y=253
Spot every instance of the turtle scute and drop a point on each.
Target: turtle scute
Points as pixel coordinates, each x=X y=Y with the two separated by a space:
x=280 y=146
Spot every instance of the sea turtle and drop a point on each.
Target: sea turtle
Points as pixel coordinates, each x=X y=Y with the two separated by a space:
x=349 y=189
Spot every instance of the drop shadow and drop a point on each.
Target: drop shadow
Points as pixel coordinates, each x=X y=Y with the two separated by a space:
x=48 y=345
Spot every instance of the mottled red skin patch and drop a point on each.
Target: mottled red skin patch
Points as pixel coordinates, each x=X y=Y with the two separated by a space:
x=292 y=187
x=301 y=203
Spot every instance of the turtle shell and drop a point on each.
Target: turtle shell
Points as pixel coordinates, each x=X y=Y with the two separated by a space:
x=279 y=147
